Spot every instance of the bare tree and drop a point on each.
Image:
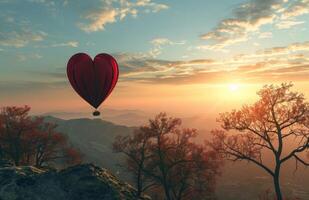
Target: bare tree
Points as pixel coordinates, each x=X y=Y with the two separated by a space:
x=164 y=156
x=267 y=125
x=136 y=148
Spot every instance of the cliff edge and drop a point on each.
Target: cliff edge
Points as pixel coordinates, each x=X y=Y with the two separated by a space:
x=81 y=182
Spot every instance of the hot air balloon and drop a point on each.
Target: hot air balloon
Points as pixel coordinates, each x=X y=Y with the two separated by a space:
x=93 y=80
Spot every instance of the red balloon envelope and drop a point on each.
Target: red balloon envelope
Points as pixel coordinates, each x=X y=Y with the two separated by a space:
x=93 y=79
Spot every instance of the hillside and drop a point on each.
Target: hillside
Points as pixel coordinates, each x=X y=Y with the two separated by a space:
x=94 y=138
x=116 y=116
x=82 y=182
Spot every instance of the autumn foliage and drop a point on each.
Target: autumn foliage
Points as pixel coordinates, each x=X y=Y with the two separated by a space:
x=278 y=123
x=167 y=163
x=27 y=140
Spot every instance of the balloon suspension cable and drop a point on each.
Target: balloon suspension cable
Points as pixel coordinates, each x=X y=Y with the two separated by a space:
x=96 y=113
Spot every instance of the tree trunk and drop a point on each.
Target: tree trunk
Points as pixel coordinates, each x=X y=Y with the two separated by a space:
x=167 y=192
x=277 y=185
x=165 y=184
x=16 y=157
x=139 y=184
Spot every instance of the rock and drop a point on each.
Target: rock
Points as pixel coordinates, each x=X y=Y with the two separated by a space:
x=6 y=163
x=81 y=182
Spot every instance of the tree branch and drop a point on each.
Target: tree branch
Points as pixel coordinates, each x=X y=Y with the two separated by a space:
x=301 y=160
x=298 y=150
x=242 y=156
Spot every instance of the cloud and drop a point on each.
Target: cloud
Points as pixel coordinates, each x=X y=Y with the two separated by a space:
x=66 y=44
x=280 y=63
x=291 y=73
x=65 y=2
x=99 y=19
x=288 y=24
x=9 y=19
x=158 y=44
x=160 y=41
x=248 y=17
x=290 y=51
x=215 y=47
x=24 y=57
x=52 y=6
x=266 y=35
x=296 y=8
x=45 y=2
x=17 y=31
x=50 y=3
x=246 y=67
x=20 y=39
x=112 y=11
x=174 y=72
x=165 y=41
x=294 y=47
x=137 y=63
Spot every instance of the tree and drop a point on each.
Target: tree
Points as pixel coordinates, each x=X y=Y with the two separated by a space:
x=163 y=156
x=16 y=124
x=49 y=146
x=267 y=125
x=30 y=141
x=136 y=148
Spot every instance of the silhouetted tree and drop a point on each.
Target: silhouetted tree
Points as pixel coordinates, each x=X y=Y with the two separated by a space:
x=136 y=148
x=267 y=125
x=16 y=125
x=48 y=145
x=30 y=141
x=164 y=156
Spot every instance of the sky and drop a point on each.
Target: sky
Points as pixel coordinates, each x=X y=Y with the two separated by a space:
x=184 y=57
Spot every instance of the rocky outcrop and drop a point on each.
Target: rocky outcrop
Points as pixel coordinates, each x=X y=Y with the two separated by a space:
x=81 y=182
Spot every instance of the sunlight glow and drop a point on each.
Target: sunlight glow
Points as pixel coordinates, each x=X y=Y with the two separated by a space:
x=233 y=87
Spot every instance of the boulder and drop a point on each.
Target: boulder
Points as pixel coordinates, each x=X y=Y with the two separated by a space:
x=81 y=182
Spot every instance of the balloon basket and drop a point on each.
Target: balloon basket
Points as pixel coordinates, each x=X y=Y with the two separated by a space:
x=96 y=113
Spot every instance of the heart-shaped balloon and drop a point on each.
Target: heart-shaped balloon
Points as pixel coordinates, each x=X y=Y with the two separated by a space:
x=94 y=79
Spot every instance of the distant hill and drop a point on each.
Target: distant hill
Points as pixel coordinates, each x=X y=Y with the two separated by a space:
x=137 y=117
x=122 y=117
x=94 y=138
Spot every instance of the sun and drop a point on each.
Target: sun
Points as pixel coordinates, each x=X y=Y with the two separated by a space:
x=233 y=87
